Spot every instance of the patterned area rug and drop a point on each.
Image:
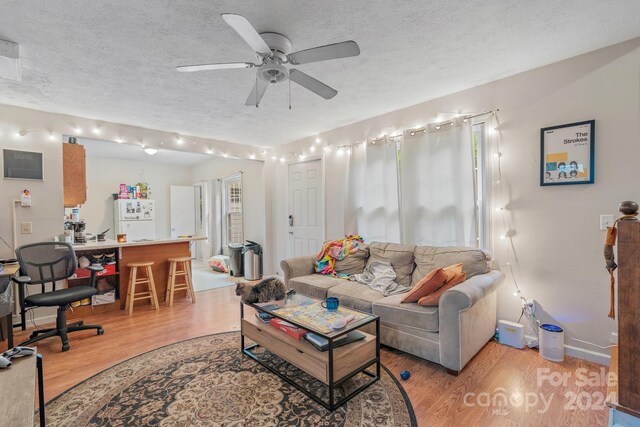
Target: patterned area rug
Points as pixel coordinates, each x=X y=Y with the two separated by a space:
x=208 y=382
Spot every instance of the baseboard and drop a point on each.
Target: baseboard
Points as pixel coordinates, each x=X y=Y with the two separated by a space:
x=581 y=353
x=590 y=355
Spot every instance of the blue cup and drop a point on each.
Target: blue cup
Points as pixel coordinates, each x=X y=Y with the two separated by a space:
x=331 y=303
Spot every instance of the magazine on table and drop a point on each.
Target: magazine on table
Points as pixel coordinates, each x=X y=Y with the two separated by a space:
x=322 y=344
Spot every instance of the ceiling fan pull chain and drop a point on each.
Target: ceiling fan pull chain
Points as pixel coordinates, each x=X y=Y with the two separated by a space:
x=289 y=94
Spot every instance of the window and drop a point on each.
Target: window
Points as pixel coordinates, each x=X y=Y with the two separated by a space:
x=232 y=224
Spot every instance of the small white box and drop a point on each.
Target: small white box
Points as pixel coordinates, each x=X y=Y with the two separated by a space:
x=106 y=298
x=511 y=333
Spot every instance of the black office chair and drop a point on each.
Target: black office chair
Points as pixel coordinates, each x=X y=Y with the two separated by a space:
x=48 y=262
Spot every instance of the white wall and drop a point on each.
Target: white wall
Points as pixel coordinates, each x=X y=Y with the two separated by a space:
x=104 y=176
x=557 y=240
x=254 y=186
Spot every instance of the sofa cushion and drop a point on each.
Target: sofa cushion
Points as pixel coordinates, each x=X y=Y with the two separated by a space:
x=355 y=295
x=400 y=257
x=474 y=261
x=427 y=285
x=393 y=312
x=353 y=263
x=433 y=299
x=314 y=285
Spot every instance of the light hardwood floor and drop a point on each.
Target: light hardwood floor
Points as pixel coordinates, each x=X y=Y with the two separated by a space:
x=439 y=399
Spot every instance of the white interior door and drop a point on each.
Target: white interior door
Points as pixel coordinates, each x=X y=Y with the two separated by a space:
x=306 y=210
x=183 y=210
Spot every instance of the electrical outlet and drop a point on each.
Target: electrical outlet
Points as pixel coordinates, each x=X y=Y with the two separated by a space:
x=27 y=227
x=614 y=338
x=606 y=221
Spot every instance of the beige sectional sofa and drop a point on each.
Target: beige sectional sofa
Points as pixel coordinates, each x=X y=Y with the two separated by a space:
x=450 y=334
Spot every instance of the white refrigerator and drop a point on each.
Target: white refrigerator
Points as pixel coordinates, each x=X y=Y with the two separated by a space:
x=136 y=218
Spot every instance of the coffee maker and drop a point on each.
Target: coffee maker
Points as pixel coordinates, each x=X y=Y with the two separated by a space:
x=79 y=235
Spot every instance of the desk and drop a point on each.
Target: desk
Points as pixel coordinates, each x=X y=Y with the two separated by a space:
x=18 y=385
x=6 y=300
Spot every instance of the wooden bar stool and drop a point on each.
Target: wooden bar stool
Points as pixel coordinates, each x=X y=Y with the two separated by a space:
x=150 y=294
x=174 y=272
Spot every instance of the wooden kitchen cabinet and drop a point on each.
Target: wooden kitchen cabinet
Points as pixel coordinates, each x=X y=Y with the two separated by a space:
x=74 y=175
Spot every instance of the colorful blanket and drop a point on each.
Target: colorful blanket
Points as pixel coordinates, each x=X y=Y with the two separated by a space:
x=336 y=250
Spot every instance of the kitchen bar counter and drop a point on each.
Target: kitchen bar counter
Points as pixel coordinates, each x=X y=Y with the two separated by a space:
x=92 y=245
x=158 y=251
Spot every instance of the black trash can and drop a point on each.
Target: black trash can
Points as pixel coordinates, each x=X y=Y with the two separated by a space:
x=252 y=260
x=235 y=259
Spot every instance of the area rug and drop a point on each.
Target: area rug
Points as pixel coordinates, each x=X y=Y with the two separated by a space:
x=207 y=381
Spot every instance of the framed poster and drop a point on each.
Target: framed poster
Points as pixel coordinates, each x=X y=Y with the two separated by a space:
x=567 y=154
x=22 y=164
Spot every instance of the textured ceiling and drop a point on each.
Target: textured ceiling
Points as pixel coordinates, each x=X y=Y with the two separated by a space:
x=114 y=60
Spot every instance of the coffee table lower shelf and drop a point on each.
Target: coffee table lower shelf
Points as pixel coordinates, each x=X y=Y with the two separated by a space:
x=332 y=367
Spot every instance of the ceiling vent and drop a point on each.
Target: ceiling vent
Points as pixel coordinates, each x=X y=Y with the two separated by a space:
x=9 y=61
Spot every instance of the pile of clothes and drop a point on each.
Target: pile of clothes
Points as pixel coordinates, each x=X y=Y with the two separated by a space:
x=336 y=250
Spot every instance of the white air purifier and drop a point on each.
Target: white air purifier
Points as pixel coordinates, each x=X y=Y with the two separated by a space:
x=511 y=333
x=551 y=342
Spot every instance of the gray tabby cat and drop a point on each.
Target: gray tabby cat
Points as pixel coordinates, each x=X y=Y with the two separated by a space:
x=267 y=290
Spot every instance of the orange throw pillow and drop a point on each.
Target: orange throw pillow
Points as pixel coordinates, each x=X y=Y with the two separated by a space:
x=429 y=283
x=433 y=299
x=452 y=270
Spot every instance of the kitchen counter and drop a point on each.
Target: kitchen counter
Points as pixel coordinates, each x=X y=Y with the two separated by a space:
x=114 y=244
x=157 y=251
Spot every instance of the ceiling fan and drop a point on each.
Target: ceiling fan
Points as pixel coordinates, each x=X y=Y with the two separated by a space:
x=273 y=50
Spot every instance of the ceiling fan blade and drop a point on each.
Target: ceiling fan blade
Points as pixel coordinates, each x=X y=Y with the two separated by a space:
x=219 y=66
x=257 y=92
x=247 y=32
x=315 y=86
x=324 y=53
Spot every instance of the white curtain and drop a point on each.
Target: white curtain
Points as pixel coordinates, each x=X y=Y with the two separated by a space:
x=371 y=206
x=437 y=182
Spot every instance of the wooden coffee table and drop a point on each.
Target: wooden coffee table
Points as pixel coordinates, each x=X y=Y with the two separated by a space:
x=332 y=367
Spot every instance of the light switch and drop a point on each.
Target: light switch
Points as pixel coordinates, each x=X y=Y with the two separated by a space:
x=606 y=221
x=27 y=227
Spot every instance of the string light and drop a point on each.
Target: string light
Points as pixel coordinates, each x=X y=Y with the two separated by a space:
x=210 y=151
x=282 y=159
x=96 y=130
x=77 y=130
x=252 y=156
x=312 y=148
x=119 y=140
x=340 y=151
x=327 y=148
x=52 y=137
x=318 y=140
x=274 y=157
x=179 y=140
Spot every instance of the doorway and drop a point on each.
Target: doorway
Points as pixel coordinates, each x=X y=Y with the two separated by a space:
x=306 y=208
